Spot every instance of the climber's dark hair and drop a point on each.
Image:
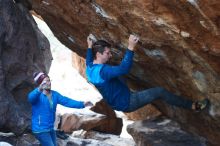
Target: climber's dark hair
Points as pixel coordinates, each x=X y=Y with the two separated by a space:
x=99 y=46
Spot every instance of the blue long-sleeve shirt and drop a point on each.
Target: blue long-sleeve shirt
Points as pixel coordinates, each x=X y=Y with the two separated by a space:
x=43 y=109
x=106 y=79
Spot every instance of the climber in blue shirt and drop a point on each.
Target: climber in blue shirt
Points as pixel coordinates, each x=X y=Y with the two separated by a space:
x=44 y=102
x=115 y=92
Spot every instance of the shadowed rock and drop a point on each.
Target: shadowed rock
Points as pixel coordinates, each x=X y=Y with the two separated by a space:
x=23 y=50
x=162 y=132
x=112 y=124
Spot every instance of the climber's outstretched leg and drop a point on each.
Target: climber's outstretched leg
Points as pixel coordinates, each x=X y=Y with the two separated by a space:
x=140 y=99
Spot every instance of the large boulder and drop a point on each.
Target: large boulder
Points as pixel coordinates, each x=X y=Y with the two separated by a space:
x=162 y=132
x=111 y=124
x=179 y=47
x=70 y=122
x=23 y=50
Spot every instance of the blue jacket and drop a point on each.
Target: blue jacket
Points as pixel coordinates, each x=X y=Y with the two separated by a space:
x=43 y=110
x=107 y=80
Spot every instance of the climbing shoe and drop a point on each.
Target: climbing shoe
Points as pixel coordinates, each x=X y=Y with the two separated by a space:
x=201 y=104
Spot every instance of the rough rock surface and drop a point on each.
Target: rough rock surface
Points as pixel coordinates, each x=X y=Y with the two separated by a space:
x=24 y=140
x=83 y=138
x=114 y=140
x=79 y=64
x=179 y=47
x=162 y=132
x=76 y=121
x=23 y=50
x=111 y=124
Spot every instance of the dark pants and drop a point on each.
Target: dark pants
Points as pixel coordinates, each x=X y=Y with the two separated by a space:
x=47 y=138
x=140 y=99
